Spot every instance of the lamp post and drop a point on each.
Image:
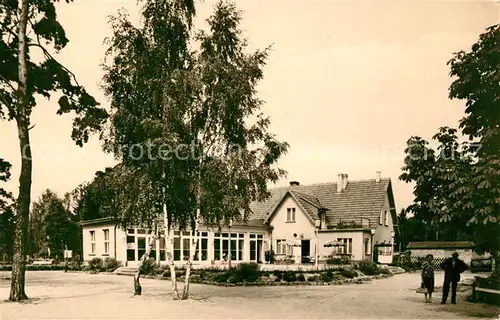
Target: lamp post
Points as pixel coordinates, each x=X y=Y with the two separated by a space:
x=317 y=224
x=372 y=232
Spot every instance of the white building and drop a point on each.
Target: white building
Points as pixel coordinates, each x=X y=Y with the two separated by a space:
x=296 y=222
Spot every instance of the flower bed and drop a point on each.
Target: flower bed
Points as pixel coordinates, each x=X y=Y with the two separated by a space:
x=250 y=274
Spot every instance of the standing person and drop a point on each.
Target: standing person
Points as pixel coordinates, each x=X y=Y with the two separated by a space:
x=428 y=277
x=452 y=267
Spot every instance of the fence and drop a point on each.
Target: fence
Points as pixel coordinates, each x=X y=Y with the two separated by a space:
x=415 y=263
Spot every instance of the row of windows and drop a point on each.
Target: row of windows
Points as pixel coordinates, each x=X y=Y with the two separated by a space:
x=225 y=246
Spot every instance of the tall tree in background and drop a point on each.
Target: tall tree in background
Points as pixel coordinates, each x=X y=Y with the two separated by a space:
x=461 y=187
x=477 y=74
x=436 y=174
x=53 y=225
x=61 y=229
x=25 y=26
x=204 y=164
x=95 y=199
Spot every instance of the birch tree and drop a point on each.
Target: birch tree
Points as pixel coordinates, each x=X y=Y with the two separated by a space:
x=234 y=151
x=27 y=26
x=138 y=81
x=186 y=123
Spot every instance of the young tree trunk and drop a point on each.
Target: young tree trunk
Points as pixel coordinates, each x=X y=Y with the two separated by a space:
x=169 y=244
x=17 y=292
x=192 y=252
x=145 y=256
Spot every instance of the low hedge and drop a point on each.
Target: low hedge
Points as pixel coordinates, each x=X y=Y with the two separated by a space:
x=31 y=267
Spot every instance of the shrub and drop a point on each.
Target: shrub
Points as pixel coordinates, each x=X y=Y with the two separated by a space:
x=221 y=277
x=327 y=276
x=289 y=276
x=350 y=274
x=244 y=272
x=384 y=271
x=278 y=274
x=110 y=264
x=369 y=268
x=301 y=277
x=149 y=267
x=334 y=261
x=96 y=264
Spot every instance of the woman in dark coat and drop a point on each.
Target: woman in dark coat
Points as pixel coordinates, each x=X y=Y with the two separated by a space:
x=428 y=277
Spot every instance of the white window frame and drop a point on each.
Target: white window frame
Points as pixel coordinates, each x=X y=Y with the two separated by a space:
x=290 y=214
x=347 y=249
x=386 y=218
x=385 y=251
x=92 y=241
x=106 y=240
x=281 y=247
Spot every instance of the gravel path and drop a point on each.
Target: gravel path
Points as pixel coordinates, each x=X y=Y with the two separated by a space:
x=59 y=295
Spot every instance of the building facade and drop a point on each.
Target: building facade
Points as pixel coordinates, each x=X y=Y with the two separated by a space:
x=299 y=223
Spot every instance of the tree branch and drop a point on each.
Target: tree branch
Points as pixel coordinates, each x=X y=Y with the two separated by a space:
x=49 y=56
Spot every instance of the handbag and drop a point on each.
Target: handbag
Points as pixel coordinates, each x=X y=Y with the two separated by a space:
x=422 y=289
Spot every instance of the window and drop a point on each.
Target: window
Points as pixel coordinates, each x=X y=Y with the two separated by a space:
x=367 y=246
x=228 y=246
x=106 y=241
x=290 y=215
x=92 y=242
x=177 y=248
x=381 y=218
x=186 y=245
x=386 y=218
x=141 y=247
x=163 y=249
x=347 y=248
x=385 y=251
x=281 y=247
x=131 y=248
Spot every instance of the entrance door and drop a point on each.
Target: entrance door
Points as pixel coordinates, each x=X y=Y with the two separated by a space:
x=305 y=251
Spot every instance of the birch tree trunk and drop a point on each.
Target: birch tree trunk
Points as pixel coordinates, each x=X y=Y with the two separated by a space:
x=169 y=246
x=17 y=287
x=145 y=256
x=192 y=252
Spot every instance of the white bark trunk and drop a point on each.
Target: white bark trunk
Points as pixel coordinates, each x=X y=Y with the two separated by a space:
x=192 y=252
x=169 y=246
x=145 y=256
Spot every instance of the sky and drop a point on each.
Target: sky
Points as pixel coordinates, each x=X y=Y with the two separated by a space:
x=346 y=84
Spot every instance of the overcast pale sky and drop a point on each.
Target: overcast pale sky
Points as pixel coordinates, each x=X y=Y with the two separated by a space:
x=347 y=83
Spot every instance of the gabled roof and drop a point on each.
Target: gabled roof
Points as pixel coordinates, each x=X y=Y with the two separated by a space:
x=360 y=199
x=308 y=203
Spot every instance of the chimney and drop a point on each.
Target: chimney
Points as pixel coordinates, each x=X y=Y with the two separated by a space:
x=342 y=182
x=294 y=184
x=377 y=177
